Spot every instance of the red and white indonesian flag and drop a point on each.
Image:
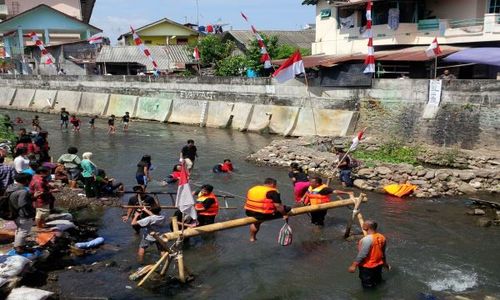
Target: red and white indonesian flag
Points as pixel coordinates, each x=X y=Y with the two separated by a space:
x=96 y=39
x=196 y=54
x=434 y=50
x=356 y=140
x=184 y=200
x=290 y=68
x=46 y=57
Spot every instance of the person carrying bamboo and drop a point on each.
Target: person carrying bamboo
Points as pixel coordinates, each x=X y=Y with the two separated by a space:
x=319 y=193
x=153 y=222
x=264 y=203
x=207 y=205
x=371 y=256
x=139 y=199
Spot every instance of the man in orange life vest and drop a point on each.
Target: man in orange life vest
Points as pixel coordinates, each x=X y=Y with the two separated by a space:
x=371 y=256
x=207 y=205
x=319 y=193
x=264 y=203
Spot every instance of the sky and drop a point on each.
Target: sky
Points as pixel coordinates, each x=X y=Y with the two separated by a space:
x=115 y=16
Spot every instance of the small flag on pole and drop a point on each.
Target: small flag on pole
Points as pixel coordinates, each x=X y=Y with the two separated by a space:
x=290 y=68
x=196 y=54
x=184 y=200
x=356 y=140
x=370 y=57
x=434 y=50
x=96 y=39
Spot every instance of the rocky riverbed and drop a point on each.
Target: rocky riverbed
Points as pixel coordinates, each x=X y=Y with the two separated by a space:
x=437 y=172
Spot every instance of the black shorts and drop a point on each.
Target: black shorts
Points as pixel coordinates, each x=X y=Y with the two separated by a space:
x=263 y=217
x=370 y=277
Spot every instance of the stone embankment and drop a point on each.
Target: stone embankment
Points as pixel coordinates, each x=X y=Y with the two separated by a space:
x=438 y=174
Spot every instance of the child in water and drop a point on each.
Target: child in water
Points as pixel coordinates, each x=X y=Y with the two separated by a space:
x=75 y=122
x=92 y=122
x=226 y=167
x=111 y=124
x=36 y=124
x=175 y=175
x=64 y=118
x=125 y=121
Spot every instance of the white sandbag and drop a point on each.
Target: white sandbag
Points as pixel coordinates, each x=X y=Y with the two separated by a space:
x=61 y=216
x=60 y=225
x=26 y=293
x=11 y=266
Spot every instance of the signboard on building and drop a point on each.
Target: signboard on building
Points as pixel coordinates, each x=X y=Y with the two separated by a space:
x=432 y=107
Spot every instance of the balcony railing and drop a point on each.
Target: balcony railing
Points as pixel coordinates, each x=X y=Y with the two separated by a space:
x=466 y=23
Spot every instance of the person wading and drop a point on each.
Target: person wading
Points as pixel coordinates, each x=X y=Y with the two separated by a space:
x=71 y=163
x=139 y=199
x=319 y=193
x=371 y=256
x=264 y=203
x=207 y=205
x=189 y=154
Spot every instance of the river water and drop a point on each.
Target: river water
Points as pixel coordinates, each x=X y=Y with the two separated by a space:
x=434 y=248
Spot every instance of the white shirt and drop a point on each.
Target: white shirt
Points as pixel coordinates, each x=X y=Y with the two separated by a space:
x=21 y=163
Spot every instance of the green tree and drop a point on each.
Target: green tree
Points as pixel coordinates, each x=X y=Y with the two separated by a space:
x=213 y=49
x=232 y=66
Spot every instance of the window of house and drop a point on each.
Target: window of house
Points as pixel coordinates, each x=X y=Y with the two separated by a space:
x=182 y=41
x=494 y=7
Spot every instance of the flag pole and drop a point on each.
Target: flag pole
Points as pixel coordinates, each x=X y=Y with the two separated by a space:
x=435 y=67
x=310 y=102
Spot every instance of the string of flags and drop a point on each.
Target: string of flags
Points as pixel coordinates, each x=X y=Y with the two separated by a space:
x=265 y=58
x=144 y=49
x=46 y=56
x=96 y=39
x=370 y=58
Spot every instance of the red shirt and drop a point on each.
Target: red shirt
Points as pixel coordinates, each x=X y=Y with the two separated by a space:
x=39 y=185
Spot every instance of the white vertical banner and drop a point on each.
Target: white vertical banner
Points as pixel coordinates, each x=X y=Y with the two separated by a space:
x=435 y=88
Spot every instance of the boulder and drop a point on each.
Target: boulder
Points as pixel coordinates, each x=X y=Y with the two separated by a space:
x=365 y=173
x=483 y=222
x=383 y=170
x=466 y=175
x=476 y=183
x=421 y=172
x=466 y=188
x=443 y=174
x=430 y=174
x=479 y=212
x=361 y=184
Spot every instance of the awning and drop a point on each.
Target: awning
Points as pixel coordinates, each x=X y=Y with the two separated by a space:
x=416 y=53
x=484 y=56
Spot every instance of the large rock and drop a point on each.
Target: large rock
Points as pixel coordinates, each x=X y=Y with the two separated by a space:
x=466 y=188
x=484 y=222
x=466 y=175
x=361 y=184
x=383 y=170
x=430 y=174
x=443 y=174
x=365 y=173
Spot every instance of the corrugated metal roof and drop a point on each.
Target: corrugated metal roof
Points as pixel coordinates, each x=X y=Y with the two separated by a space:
x=299 y=39
x=416 y=53
x=168 y=57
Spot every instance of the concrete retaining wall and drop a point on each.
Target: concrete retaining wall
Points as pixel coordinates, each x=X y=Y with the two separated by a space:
x=69 y=100
x=120 y=104
x=468 y=115
x=44 y=99
x=23 y=98
x=6 y=96
x=157 y=109
x=93 y=104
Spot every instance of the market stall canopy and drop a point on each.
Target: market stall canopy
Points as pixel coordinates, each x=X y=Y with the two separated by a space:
x=484 y=56
x=416 y=53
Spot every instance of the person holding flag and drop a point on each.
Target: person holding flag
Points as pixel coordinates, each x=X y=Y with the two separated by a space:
x=346 y=163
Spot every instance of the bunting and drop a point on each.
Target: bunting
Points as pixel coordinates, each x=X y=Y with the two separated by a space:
x=46 y=56
x=370 y=57
x=265 y=58
x=144 y=49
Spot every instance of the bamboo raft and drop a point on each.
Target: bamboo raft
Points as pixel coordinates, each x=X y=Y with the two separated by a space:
x=177 y=235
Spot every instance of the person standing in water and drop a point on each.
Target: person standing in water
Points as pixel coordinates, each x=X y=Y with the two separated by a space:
x=75 y=121
x=371 y=256
x=300 y=181
x=111 y=124
x=64 y=118
x=36 y=124
x=125 y=121
x=92 y=122
x=189 y=154
x=143 y=175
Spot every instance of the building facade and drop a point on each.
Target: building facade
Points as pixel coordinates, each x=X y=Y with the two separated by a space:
x=340 y=25
x=161 y=33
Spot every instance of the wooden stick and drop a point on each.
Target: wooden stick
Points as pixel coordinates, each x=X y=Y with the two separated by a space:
x=167 y=207
x=165 y=267
x=180 y=257
x=158 y=263
x=189 y=232
x=174 y=193
x=361 y=222
x=351 y=220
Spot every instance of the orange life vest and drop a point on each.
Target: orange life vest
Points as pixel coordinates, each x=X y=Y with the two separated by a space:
x=213 y=210
x=375 y=257
x=313 y=197
x=257 y=200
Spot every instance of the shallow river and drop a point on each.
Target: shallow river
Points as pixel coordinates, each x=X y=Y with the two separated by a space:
x=434 y=248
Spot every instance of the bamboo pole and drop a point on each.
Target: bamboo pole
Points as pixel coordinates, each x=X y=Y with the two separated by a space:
x=189 y=232
x=355 y=211
x=361 y=222
x=167 y=207
x=165 y=267
x=179 y=257
x=153 y=269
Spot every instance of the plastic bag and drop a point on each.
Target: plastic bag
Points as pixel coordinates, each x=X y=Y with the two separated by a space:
x=285 y=236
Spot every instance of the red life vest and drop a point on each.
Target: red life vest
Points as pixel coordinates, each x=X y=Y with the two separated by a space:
x=375 y=257
x=257 y=200
x=226 y=167
x=213 y=210
x=313 y=197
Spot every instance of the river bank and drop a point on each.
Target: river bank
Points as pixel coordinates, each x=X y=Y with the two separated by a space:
x=436 y=171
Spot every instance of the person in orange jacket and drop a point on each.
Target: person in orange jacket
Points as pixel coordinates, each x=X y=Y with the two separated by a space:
x=207 y=205
x=371 y=256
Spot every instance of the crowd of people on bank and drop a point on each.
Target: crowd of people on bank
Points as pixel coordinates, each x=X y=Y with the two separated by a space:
x=28 y=186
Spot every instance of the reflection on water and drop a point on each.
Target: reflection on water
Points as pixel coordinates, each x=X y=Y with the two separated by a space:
x=433 y=247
